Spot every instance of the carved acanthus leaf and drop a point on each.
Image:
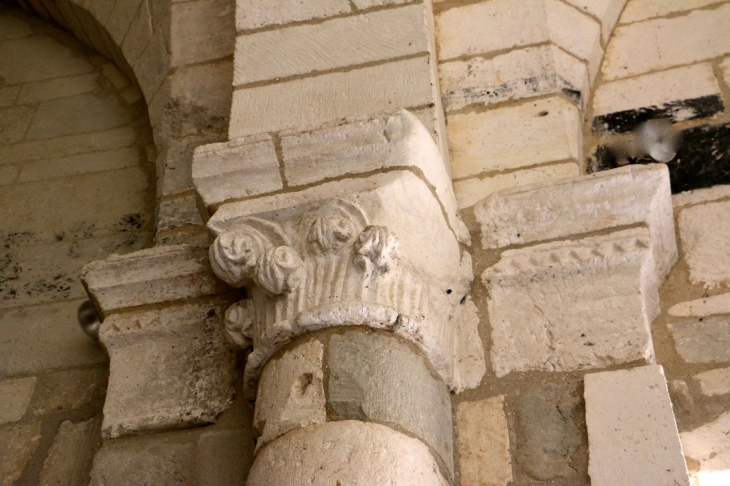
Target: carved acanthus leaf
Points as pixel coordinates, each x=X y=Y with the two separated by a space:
x=234 y=255
x=239 y=322
x=377 y=249
x=279 y=270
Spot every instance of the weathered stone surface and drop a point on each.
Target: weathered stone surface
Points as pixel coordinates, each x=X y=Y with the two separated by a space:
x=706 y=306
x=348 y=452
x=709 y=445
x=638 y=10
x=484 y=443
x=183 y=368
x=698 y=196
x=159 y=460
x=548 y=210
x=80 y=164
x=291 y=393
x=224 y=457
x=201 y=31
x=703 y=340
x=613 y=290
x=704 y=231
x=57 y=88
x=378 y=378
x=632 y=435
x=177 y=213
x=253 y=14
x=38 y=58
x=17 y=445
x=469 y=361
x=714 y=382
x=14 y=123
x=71 y=453
x=547 y=433
x=66 y=390
x=233 y=170
x=155 y=275
x=14 y=398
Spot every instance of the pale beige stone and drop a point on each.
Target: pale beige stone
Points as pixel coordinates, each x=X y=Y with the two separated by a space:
x=176 y=162
x=706 y=306
x=699 y=196
x=709 y=445
x=632 y=435
x=657 y=89
x=663 y=43
x=702 y=340
x=365 y=4
x=611 y=284
x=178 y=213
x=348 y=452
x=57 y=88
x=714 y=382
x=14 y=123
x=11 y=27
x=80 y=164
x=725 y=67
x=201 y=30
x=152 y=66
x=17 y=445
x=71 y=452
x=471 y=191
x=331 y=44
x=291 y=393
x=14 y=398
x=637 y=10
x=253 y=14
x=484 y=443
x=39 y=58
x=205 y=86
x=308 y=103
x=606 y=11
x=546 y=130
x=704 y=231
x=8 y=95
x=469 y=362
x=575 y=32
x=69 y=389
x=139 y=34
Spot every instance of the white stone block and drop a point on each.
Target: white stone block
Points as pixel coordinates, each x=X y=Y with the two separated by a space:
x=14 y=398
x=699 y=196
x=702 y=340
x=714 y=382
x=662 y=43
x=331 y=44
x=522 y=73
x=254 y=14
x=575 y=32
x=706 y=306
x=637 y=10
x=471 y=191
x=704 y=231
x=310 y=102
x=613 y=290
x=632 y=435
x=709 y=445
x=606 y=11
x=546 y=130
x=291 y=393
x=236 y=169
x=348 y=452
x=609 y=199
x=201 y=30
x=484 y=453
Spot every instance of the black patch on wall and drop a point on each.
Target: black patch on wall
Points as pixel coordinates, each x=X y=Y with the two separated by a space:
x=703 y=159
x=625 y=121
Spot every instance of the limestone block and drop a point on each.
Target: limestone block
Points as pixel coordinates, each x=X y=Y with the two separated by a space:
x=471 y=191
x=613 y=198
x=224 y=457
x=80 y=164
x=714 y=382
x=725 y=67
x=178 y=213
x=709 y=445
x=176 y=163
x=683 y=93
x=291 y=393
x=632 y=435
x=151 y=67
x=484 y=443
x=522 y=73
x=704 y=231
x=666 y=42
x=699 y=196
x=575 y=32
x=358 y=92
x=348 y=452
x=207 y=88
x=14 y=123
x=12 y=27
x=254 y=14
x=236 y=169
x=606 y=11
x=159 y=460
x=66 y=390
x=637 y=10
x=139 y=35
x=613 y=290
x=706 y=306
x=332 y=44
x=469 y=363
x=377 y=378
x=121 y=18
x=184 y=368
x=546 y=130
x=703 y=340
x=38 y=58
x=201 y=31
x=57 y=88
x=547 y=434
x=14 y=398
x=17 y=445
x=150 y=276
x=71 y=452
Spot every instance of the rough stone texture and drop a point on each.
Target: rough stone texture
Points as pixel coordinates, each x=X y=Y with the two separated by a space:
x=378 y=378
x=183 y=368
x=484 y=454
x=17 y=445
x=71 y=453
x=66 y=390
x=705 y=235
x=178 y=213
x=714 y=382
x=706 y=306
x=546 y=425
x=632 y=434
x=613 y=290
x=637 y=10
x=254 y=14
x=291 y=393
x=331 y=44
x=348 y=452
x=703 y=340
x=155 y=275
x=709 y=446
x=223 y=458
x=14 y=398
x=151 y=460
x=236 y=169
x=548 y=210
x=546 y=130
